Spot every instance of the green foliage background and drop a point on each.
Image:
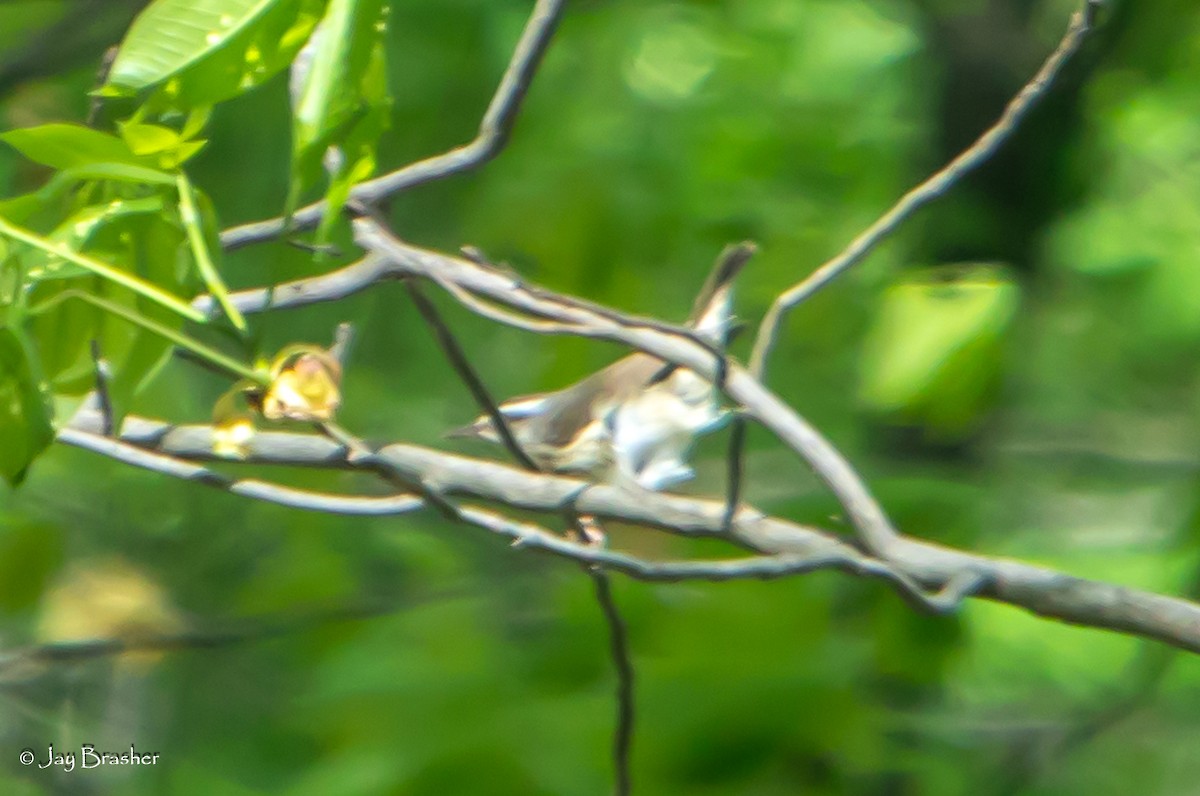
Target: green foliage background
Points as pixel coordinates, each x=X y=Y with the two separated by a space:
x=1054 y=419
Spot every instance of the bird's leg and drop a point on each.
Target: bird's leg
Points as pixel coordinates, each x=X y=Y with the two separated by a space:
x=587 y=530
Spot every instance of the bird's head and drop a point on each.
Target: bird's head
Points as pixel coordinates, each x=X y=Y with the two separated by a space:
x=517 y=414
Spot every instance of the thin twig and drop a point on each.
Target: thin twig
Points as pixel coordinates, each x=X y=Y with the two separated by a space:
x=619 y=647
x=493 y=134
x=490 y=311
x=932 y=188
x=791 y=549
x=462 y=366
x=334 y=285
x=623 y=733
x=530 y=536
x=630 y=321
x=103 y=374
x=343 y=338
x=359 y=451
x=737 y=444
x=765 y=567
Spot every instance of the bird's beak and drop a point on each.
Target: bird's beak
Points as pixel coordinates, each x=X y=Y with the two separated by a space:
x=470 y=431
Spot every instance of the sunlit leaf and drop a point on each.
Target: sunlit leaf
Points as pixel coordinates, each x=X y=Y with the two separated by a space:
x=63 y=338
x=199 y=52
x=68 y=146
x=202 y=252
x=142 y=287
x=120 y=172
x=168 y=147
x=77 y=232
x=135 y=237
x=340 y=100
x=932 y=353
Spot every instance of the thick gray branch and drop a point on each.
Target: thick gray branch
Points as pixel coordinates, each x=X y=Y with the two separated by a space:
x=759 y=403
x=798 y=548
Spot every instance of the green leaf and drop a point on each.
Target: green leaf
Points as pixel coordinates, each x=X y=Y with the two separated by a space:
x=68 y=146
x=341 y=100
x=190 y=215
x=120 y=172
x=147 y=244
x=199 y=52
x=170 y=148
x=144 y=239
x=932 y=353
x=77 y=232
x=22 y=208
x=170 y=335
x=146 y=289
x=25 y=414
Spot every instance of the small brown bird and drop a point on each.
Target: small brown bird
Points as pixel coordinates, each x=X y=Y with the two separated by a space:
x=627 y=424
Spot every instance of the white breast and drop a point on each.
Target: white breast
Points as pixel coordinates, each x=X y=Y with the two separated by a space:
x=653 y=431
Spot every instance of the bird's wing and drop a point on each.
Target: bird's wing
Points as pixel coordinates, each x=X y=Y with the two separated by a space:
x=572 y=408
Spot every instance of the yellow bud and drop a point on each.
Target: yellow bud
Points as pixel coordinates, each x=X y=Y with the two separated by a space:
x=305 y=386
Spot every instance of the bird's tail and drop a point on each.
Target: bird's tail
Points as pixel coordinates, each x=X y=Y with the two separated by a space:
x=712 y=314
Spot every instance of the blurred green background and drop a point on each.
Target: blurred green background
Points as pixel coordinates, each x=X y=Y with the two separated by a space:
x=1016 y=373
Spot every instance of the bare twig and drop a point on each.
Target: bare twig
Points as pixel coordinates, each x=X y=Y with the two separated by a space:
x=103 y=373
x=807 y=558
x=462 y=366
x=370 y=233
x=343 y=338
x=333 y=286
x=623 y=733
x=932 y=188
x=737 y=444
x=619 y=647
x=492 y=312
x=493 y=133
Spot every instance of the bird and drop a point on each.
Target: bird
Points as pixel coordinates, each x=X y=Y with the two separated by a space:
x=632 y=423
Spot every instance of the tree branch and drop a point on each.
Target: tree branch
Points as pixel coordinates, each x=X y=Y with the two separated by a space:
x=256 y=489
x=458 y=359
x=935 y=186
x=789 y=549
x=618 y=641
x=867 y=516
x=493 y=134
x=623 y=733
